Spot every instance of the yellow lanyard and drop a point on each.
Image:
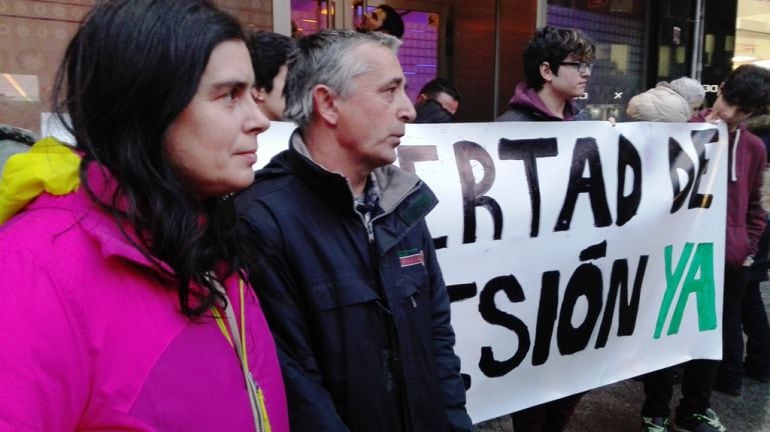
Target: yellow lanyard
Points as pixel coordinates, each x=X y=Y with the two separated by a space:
x=256 y=397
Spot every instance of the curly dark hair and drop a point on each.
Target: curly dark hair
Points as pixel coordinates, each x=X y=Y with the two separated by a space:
x=393 y=24
x=269 y=51
x=552 y=45
x=131 y=69
x=748 y=88
x=440 y=85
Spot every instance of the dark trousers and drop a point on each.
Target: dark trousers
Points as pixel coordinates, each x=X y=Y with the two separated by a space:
x=757 y=330
x=730 y=373
x=548 y=417
x=697 y=377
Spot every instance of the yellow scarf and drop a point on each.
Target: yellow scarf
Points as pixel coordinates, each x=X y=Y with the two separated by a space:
x=48 y=166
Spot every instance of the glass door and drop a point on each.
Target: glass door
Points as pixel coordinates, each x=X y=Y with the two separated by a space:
x=310 y=16
x=422 y=52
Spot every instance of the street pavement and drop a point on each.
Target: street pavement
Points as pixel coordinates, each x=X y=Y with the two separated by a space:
x=615 y=407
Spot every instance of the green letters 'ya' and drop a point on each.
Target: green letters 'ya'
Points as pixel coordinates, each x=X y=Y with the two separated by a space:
x=699 y=281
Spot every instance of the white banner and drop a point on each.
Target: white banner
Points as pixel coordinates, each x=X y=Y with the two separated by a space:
x=576 y=254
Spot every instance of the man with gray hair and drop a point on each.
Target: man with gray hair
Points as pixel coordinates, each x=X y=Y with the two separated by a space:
x=344 y=264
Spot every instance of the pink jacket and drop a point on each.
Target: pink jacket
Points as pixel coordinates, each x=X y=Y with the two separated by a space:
x=93 y=338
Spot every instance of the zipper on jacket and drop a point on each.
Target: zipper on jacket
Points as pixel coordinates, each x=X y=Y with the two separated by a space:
x=368 y=222
x=369 y=228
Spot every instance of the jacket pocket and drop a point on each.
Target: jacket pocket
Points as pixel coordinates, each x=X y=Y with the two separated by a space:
x=339 y=294
x=737 y=246
x=412 y=283
x=348 y=331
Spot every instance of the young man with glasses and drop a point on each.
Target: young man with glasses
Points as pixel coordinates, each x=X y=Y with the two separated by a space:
x=557 y=66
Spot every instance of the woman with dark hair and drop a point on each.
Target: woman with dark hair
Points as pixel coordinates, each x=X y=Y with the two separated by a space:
x=123 y=299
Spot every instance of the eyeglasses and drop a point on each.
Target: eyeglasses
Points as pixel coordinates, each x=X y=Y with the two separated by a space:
x=582 y=67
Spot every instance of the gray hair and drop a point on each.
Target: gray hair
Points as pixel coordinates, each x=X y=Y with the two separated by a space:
x=327 y=58
x=690 y=89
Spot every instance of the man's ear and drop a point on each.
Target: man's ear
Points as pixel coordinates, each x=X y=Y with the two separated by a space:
x=421 y=98
x=325 y=103
x=546 y=72
x=260 y=94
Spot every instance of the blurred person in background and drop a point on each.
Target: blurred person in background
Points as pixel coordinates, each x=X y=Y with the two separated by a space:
x=384 y=19
x=270 y=56
x=667 y=102
x=13 y=140
x=437 y=102
x=691 y=90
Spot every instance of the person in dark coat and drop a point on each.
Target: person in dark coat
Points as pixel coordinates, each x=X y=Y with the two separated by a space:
x=344 y=262
x=437 y=102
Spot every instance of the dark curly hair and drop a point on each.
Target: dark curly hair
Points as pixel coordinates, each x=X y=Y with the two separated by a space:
x=552 y=45
x=440 y=85
x=393 y=24
x=131 y=69
x=748 y=88
x=269 y=51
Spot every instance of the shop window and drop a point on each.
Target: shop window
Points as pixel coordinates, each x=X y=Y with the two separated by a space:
x=35 y=35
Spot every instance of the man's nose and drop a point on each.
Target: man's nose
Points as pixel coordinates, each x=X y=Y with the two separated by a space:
x=727 y=113
x=406 y=110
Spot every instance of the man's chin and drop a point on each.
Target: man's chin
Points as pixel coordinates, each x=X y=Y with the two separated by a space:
x=389 y=159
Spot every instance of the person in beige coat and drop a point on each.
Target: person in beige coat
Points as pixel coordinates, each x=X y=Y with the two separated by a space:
x=673 y=102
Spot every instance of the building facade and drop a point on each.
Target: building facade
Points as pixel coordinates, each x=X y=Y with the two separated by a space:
x=476 y=44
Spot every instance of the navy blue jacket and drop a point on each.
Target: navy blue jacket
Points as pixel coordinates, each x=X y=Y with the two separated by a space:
x=362 y=327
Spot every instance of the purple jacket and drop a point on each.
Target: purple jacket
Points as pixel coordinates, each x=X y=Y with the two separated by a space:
x=526 y=105
x=745 y=216
x=93 y=338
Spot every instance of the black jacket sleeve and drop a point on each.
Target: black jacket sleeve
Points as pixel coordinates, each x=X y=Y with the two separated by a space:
x=447 y=362
x=311 y=407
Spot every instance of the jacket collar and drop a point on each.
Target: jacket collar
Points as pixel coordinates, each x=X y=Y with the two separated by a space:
x=394 y=183
x=115 y=239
